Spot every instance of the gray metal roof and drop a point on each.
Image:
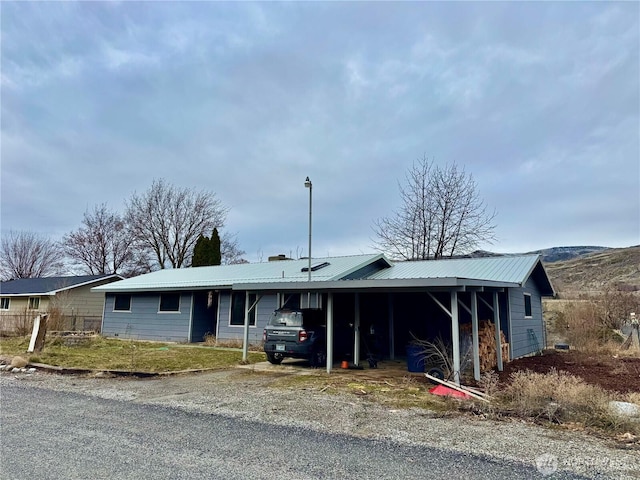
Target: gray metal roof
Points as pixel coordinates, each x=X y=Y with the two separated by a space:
x=225 y=276
x=448 y=274
x=358 y=272
x=49 y=285
x=509 y=269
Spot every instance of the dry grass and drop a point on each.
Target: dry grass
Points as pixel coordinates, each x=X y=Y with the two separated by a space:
x=587 y=324
x=126 y=355
x=209 y=339
x=233 y=343
x=401 y=392
x=561 y=398
x=613 y=268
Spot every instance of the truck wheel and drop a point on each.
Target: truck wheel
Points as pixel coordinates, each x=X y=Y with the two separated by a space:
x=275 y=358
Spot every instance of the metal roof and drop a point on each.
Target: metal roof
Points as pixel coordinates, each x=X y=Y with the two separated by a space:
x=357 y=272
x=49 y=285
x=225 y=276
x=457 y=274
x=509 y=269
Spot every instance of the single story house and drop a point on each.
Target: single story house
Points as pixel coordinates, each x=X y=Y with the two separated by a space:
x=71 y=298
x=370 y=302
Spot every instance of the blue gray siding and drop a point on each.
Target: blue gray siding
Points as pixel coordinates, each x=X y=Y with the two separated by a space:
x=144 y=322
x=264 y=309
x=522 y=342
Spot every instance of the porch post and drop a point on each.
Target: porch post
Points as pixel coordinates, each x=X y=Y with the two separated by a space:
x=356 y=331
x=474 y=329
x=392 y=351
x=455 y=337
x=329 y=331
x=245 y=340
x=496 y=321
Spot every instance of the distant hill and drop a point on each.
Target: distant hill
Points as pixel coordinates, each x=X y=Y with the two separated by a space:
x=558 y=254
x=617 y=268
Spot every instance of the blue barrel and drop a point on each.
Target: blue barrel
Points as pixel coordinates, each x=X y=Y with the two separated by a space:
x=415 y=358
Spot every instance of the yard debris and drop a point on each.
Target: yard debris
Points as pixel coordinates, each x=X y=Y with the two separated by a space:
x=444 y=391
x=473 y=393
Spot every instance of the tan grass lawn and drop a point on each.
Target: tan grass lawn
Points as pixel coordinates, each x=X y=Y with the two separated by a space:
x=108 y=354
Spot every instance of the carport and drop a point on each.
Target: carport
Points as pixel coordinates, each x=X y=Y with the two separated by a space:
x=445 y=301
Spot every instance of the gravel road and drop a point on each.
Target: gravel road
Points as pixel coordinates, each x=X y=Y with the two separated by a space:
x=248 y=395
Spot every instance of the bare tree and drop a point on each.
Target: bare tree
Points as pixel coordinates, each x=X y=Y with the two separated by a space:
x=25 y=254
x=441 y=215
x=167 y=221
x=230 y=250
x=104 y=245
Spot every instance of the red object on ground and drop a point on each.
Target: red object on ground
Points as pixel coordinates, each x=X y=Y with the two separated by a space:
x=444 y=391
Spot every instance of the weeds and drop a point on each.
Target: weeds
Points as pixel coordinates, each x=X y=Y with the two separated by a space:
x=100 y=353
x=561 y=398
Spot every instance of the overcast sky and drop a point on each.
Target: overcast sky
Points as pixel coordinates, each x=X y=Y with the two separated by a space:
x=538 y=101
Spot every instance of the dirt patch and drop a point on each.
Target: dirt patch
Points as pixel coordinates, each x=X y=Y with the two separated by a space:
x=620 y=374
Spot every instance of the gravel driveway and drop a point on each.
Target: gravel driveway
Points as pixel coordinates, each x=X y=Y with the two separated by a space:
x=249 y=394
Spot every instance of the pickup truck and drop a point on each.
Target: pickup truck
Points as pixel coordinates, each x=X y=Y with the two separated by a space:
x=296 y=333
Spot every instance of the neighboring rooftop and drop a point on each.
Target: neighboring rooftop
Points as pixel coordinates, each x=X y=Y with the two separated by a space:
x=49 y=285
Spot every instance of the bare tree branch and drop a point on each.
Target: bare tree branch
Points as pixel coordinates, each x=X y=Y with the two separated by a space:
x=26 y=254
x=104 y=245
x=441 y=215
x=167 y=221
x=230 y=249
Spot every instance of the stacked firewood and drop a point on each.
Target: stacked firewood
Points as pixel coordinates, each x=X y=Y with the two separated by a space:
x=487 y=343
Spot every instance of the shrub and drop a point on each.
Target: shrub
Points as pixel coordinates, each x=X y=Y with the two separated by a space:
x=590 y=322
x=55 y=320
x=560 y=397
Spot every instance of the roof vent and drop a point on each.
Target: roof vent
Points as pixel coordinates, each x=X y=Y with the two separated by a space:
x=315 y=266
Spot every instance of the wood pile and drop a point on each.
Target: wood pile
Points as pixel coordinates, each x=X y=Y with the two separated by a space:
x=487 y=343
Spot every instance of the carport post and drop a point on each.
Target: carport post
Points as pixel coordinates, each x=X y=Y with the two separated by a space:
x=474 y=331
x=392 y=352
x=247 y=310
x=245 y=340
x=329 y=331
x=455 y=337
x=496 y=321
x=356 y=331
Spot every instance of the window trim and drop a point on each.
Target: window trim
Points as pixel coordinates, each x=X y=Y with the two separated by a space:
x=252 y=314
x=31 y=302
x=528 y=296
x=8 y=302
x=160 y=310
x=115 y=297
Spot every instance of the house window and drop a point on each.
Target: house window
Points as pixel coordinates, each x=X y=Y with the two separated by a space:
x=169 y=302
x=237 y=309
x=527 y=305
x=291 y=301
x=34 y=303
x=4 y=303
x=122 y=303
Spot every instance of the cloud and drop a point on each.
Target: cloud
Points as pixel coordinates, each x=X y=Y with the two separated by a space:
x=540 y=101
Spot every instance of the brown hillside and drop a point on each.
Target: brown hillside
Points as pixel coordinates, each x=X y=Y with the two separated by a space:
x=617 y=268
